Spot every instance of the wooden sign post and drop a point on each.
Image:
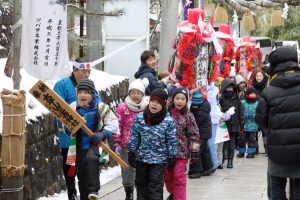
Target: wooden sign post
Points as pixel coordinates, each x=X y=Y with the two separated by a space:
x=64 y=113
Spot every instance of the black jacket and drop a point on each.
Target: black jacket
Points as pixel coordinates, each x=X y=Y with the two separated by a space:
x=146 y=72
x=237 y=120
x=278 y=114
x=203 y=120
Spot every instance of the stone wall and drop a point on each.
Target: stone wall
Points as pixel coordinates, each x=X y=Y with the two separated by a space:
x=43 y=174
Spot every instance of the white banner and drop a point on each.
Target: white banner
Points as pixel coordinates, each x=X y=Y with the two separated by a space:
x=44 y=45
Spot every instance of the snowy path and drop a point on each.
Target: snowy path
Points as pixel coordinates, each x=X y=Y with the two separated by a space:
x=247 y=181
x=105 y=177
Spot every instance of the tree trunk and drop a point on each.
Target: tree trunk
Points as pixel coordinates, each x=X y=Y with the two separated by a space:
x=94 y=30
x=81 y=26
x=17 y=45
x=168 y=32
x=70 y=25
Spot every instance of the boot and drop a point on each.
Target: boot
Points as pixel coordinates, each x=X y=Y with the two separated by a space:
x=257 y=151
x=94 y=196
x=72 y=194
x=250 y=155
x=170 y=197
x=240 y=155
x=195 y=175
x=265 y=144
x=220 y=167
x=223 y=158
x=229 y=163
x=266 y=148
x=129 y=192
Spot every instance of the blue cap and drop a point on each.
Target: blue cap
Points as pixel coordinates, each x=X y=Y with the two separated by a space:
x=197 y=98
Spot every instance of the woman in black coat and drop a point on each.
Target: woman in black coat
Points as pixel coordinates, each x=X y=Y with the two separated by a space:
x=278 y=114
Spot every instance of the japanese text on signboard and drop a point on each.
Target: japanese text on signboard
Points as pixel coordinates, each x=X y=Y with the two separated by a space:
x=59 y=108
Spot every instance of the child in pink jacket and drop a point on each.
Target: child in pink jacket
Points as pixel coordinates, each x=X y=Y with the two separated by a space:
x=188 y=143
x=126 y=112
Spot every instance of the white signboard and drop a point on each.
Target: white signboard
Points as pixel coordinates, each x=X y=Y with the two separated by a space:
x=44 y=47
x=120 y=31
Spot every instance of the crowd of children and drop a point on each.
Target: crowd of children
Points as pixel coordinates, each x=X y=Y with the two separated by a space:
x=166 y=134
x=169 y=134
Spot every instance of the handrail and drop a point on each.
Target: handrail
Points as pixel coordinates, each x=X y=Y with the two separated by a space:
x=100 y=60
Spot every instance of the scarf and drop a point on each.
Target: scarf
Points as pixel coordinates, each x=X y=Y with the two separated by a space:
x=153 y=119
x=136 y=107
x=259 y=86
x=172 y=109
x=103 y=111
x=229 y=94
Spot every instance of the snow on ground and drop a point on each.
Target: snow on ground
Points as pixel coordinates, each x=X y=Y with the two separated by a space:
x=105 y=177
x=102 y=81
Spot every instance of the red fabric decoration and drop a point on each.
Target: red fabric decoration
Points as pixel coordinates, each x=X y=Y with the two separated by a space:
x=213 y=67
x=187 y=48
x=188 y=76
x=225 y=64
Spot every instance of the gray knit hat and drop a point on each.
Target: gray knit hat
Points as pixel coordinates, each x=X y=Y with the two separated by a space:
x=239 y=79
x=86 y=84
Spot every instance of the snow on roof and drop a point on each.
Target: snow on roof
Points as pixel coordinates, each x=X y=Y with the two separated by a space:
x=34 y=108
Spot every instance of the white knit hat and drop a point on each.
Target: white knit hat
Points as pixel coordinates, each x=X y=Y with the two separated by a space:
x=239 y=79
x=139 y=84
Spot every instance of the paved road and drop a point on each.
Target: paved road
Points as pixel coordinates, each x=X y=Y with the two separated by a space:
x=246 y=181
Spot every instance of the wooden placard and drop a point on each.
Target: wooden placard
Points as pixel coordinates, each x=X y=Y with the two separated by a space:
x=69 y=117
x=57 y=106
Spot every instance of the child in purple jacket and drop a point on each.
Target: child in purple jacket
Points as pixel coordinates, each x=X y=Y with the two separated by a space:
x=188 y=142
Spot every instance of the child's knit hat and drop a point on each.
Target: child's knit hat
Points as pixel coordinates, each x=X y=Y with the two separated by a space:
x=197 y=98
x=180 y=90
x=86 y=84
x=239 y=79
x=160 y=95
x=250 y=90
x=139 y=84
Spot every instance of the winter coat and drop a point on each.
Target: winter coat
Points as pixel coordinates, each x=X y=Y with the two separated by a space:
x=153 y=144
x=98 y=118
x=126 y=118
x=65 y=88
x=236 y=121
x=203 y=120
x=278 y=114
x=187 y=133
x=146 y=72
x=212 y=97
x=249 y=112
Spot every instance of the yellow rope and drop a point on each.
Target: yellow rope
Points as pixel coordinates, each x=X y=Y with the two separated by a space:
x=10 y=134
